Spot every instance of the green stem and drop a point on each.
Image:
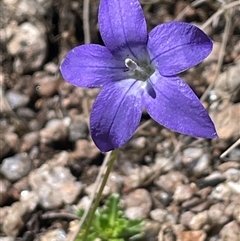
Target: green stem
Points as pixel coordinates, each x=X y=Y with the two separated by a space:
x=99 y=194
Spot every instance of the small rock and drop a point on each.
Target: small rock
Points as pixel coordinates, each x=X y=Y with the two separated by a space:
x=221 y=192
x=212 y=180
x=232 y=174
x=15 y=219
x=170 y=181
x=230 y=232
x=29 y=140
x=199 y=221
x=85 y=149
x=53 y=235
x=46 y=85
x=163 y=197
x=228 y=82
x=183 y=193
x=186 y=217
x=163 y=164
x=197 y=235
x=159 y=215
x=54 y=186
x=78 y=129
x=16 y=167
x=4 y=189
x=151 y=230
x=28 y=45
x=7 y=239
x=16 y=99
x=28 y=7
x=138 y=204
x=217 y=214
x=12 y=140
x=229 y=127
x=138 y=143
x=202 y=166
x=227 y=165
x=54 y=131
x=167 y=232
x=4 y=147
x=192 y=153
x=114 y=184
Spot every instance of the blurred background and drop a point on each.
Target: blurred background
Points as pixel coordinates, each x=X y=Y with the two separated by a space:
x=179 y=185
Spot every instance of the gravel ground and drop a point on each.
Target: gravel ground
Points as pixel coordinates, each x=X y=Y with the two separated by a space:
x=48 y=163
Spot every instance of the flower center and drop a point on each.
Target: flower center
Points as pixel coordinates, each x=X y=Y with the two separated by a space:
x=140 y=70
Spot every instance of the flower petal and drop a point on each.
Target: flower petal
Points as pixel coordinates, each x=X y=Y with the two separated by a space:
x=116 y=114
x=178 y=108
x=176 y=46
x=122 y=26
x=91 y=65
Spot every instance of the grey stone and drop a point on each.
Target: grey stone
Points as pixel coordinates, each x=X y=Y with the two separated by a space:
x=54 y=186
x=199 y=220
x=78 y=128
x=16 y=99
x=53 y=235
x=183 y=193
x=138 y=204
x=230 y=232
x=28 y=43
x=16 y=167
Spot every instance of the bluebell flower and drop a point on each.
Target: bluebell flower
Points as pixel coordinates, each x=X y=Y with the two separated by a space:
x=137 y=71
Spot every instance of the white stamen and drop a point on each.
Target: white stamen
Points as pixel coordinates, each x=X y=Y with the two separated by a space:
x=132 y=65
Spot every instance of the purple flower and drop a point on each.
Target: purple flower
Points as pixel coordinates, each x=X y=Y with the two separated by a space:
x=137 y=70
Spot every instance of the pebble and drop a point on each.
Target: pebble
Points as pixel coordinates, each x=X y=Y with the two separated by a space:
x=186 y=217
x=170 y=181
x=4 y=191
x=230 y=232
x=192 y=153
x=28 y=45
x=16 y=167
x=4 y=147
x=196 y=235
x=12 y=140
x=29 y=140
x=159 y=215
x=183 y=193
x=199 y=221
x=16 y=99
x=164 y=164
x=47 y=85
x=54 y=186
x=78 y=128
x=167 y=233
x=28 y=7
x=212 y=180
x=217 y=214
x=221 y=192
x=162 y=198
x=229 y=128
x=202 y=166
x=151 y=230
x=85 y=149
x=15 y=218
x=138 y=204
x=53 y=235
x=228 y=82
x=232 y=174
x=55 y=130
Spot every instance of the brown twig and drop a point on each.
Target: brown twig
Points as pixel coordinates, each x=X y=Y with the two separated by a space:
x=86 y=25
